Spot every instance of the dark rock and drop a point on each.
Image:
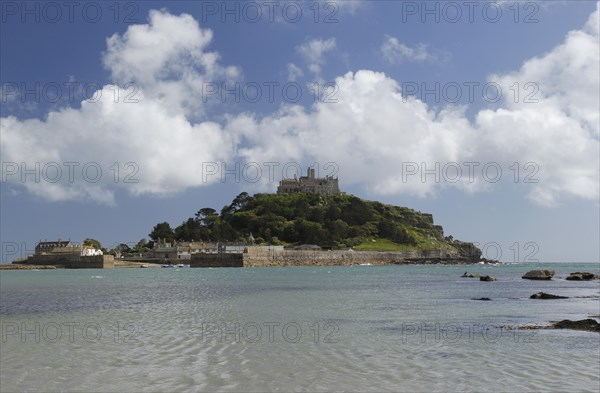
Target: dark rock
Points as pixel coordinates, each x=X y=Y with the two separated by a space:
x=487 y=278
x=523 y=327
x=542 y=295
x=489 y=261
x=539 y=275
x=482 y=298
x=582 y=276
x=588 y=325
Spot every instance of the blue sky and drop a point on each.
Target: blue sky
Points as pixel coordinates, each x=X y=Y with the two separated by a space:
x=369 y=67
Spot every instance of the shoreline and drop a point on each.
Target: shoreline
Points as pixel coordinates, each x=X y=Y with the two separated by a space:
x=137 y=265
x=11 y=266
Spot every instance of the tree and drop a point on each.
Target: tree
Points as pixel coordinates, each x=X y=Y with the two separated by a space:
x=206 y=215
x=222 y=231
x=123 y=248
x=338 y=230
x=240 y=201
x=162 y=231
x=120 y=249
x=140 y=245
x=93 y=243
x=309 y=232
x=357 y=212
x=191 y=230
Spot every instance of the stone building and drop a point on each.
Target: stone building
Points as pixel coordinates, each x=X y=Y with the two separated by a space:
x=66 y=254
x=58 y=247
x=324 y=186
x=65 y=247
x=184 y=250
x=89 y=251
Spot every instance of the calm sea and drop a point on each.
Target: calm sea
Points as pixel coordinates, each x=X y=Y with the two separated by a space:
x=361 y=328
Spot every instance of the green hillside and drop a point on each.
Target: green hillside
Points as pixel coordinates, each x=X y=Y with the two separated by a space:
x=334 y=222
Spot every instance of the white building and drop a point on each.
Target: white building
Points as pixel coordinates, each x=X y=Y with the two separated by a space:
x=89 y=251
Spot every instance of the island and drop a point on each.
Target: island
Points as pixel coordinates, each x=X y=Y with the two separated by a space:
x=308 y=222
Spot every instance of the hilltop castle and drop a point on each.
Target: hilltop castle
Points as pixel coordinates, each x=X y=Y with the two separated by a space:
x=324 y=186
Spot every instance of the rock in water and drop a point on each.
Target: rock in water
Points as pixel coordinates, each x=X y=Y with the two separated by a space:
x=482 y=298
x=487 y=278
x=582 y=276
x=589 y=325
x=542 y=295
x=470 y=275
x=539 y=275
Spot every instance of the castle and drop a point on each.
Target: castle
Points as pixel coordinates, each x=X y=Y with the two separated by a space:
x=324 y=186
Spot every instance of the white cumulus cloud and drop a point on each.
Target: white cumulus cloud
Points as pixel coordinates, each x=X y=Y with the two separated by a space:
x=294 y=72
x=314 y=51
x=396 y=52
x=167 y=59
x=555 y=121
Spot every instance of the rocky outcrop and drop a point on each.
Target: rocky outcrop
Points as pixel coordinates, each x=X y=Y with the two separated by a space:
x=482 y=298
x=539 y=275
x=542 y=295
x=582 y=276
x=588 y=325
x=487 y=278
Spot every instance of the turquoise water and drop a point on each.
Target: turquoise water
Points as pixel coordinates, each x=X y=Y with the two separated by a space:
x=361 y=328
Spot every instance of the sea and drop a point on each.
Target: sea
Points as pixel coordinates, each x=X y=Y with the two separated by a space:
x=404 y=328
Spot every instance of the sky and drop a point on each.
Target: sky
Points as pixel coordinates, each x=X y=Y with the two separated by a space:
x=116 y=116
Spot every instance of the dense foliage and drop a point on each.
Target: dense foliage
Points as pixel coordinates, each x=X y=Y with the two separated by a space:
x=331 y=222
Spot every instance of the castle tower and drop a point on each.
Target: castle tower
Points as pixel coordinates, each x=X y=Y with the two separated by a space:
x=311 y=184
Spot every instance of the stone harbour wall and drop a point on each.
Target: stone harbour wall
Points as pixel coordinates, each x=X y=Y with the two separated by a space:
x=217 y=260
x=73 y=261
x=264 y=258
